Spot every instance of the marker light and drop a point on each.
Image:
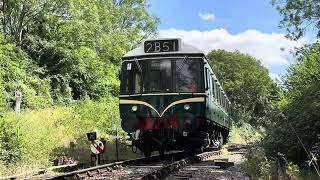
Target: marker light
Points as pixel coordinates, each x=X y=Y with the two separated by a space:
x=134 y=108
x=186 y=106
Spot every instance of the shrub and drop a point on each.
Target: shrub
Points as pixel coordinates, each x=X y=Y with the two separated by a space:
x=244 y=133
x=10 y=141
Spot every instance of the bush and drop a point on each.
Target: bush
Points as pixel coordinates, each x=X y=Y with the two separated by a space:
x=258 y=166
x=244 y=133
x=10 y=141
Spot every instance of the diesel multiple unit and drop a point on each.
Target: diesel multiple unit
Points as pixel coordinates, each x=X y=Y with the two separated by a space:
x=170 y=98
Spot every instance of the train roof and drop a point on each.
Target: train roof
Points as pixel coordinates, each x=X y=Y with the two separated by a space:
x=183 y=49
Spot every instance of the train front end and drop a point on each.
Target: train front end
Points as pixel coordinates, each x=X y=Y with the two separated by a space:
x=162 y=97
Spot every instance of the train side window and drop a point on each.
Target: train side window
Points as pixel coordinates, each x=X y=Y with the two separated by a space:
x=222 y=100
x=220 y=92
x=206 y=77
x=213 y=86
x=215 y=89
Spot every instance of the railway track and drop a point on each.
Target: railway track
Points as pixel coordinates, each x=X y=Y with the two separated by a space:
x=156 y=167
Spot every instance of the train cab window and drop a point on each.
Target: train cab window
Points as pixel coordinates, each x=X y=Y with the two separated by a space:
x=132 y=77
x=187 y=75
x=160 y=76
x=126 y=78
x=138 y=84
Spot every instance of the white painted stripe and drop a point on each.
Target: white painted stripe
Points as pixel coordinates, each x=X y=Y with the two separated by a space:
x=189 y=100
x=127 y=101
x=160 y=94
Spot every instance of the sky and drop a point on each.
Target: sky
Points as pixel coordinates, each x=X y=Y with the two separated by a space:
x=249 y=26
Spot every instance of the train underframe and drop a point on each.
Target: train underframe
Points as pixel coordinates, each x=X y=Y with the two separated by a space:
x=207 y=135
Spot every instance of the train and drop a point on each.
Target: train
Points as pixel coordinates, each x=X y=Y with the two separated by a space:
x=171 y=99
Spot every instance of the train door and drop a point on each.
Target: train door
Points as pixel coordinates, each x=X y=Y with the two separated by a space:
x=207 y=86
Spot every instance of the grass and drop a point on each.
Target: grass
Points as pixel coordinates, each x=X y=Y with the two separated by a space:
x=44 y=135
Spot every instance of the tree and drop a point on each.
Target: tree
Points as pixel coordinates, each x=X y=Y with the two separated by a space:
x=246 y=83
x=300 y=119
x=17 y=71
x=79 y=43
x=299 y=16
x=18 y=16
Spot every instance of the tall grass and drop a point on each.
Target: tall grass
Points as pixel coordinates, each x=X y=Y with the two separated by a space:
x=44 y=135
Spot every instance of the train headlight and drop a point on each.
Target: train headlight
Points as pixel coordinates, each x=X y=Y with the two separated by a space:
x=134 y=108
x=186 y=106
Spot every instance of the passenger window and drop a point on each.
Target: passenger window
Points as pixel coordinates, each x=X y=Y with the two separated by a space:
x=206 y=76
x=213 y=87
x=216 y=90
x=220 y=97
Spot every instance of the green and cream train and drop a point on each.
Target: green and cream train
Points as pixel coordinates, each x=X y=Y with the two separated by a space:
x=170 y=98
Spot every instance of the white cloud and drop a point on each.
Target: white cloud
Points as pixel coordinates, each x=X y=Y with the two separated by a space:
x=207 y=16
x=272 y=49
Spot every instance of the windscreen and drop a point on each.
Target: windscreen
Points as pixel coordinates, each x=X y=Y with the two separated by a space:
x=187 y=75
x=161 y=76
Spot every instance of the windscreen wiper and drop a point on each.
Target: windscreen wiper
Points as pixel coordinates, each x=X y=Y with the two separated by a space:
x=184 y=60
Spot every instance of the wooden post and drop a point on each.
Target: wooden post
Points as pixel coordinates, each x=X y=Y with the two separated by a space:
x=117 y=145
x=115 y=128
x=18 y=95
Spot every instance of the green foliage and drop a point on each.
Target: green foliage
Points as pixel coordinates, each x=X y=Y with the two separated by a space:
x=19 y=72
x=64 y=54
x=11 y=145
x=258 y=166
x=79 y=44
x=38 y=137
x=245 y=133
x=300 y=117
x=299 y=16
x=247 y=84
